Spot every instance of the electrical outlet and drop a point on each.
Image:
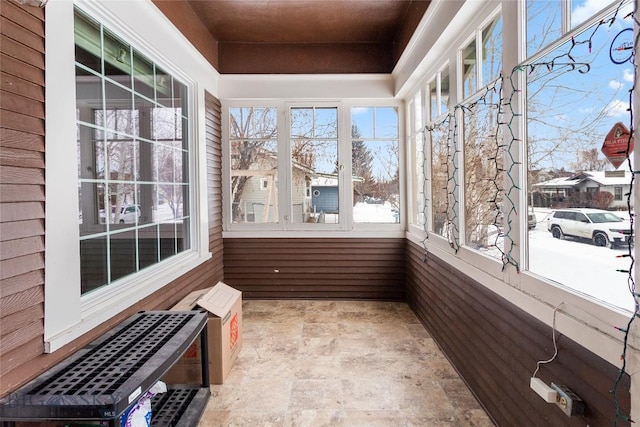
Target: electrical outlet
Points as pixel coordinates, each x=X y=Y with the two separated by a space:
x=568 y=401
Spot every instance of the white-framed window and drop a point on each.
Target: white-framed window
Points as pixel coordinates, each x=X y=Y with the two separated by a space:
x=567 y=122
x=537 y=273
x=309 y=145
x=481 y=57
x=125 y=176
x=375 y=164
x=480 y=65
x=314 y=153
x=133 y=150
x=253 y=145
x=617 y=193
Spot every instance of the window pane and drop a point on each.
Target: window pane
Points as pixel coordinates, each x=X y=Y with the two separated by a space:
x=374 y=165
x=386 y=122
x=433 y=101
x=441 y=182
x=148 y=249
x=122 y=247
x=122 y=159
x=163 y=88
x=88 y=42
x=322 y=158
x=93 y=264
x=168 y=240
x=133 y=157
x=302 y=123
x=326 y=123
x=252 y=123
x=254 y=173
x=444 y=91
x=362 y=124
x=166 y=125
x=375 y=181
x=570 y=113
x=117 y=59
x=143 y=75
x=492 y=51
x=469 y=71
x=417 y=112
x=314 y=168
x=254 y=164
x=88 y=94
x=544 y=24
x=582 y=10
x=483 y=180
x=419 y=184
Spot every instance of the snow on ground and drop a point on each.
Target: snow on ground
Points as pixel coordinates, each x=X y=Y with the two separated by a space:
x=371 y=212
x=580 y=265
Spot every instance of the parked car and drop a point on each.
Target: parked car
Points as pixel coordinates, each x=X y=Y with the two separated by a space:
x=603 y=228
x=128 y=214
x=531 y=221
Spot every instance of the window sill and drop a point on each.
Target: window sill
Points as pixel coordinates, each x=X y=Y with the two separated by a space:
x=100 y=306
x=585 y=321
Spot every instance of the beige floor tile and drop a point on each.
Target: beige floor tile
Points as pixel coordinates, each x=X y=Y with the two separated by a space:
x=339 y=364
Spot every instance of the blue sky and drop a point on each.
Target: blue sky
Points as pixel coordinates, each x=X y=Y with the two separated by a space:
x=587 y=104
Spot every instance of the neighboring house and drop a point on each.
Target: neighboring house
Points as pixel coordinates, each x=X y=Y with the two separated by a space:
x=259 y=200
x=559 y=190
x=324 y=194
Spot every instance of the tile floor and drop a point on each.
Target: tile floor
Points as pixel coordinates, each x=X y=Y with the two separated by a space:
x=334 y=363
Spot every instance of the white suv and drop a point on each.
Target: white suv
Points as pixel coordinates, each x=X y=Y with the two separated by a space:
x=128 y=214
x=603 y=228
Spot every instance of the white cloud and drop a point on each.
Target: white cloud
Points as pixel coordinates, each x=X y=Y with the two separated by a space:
x=585 y=11
x=628 y=75
x=617 y=108
x=615 y=84
x=359 y=110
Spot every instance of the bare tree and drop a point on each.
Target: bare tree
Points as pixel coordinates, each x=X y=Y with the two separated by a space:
x=251 y=131
x=589 y=160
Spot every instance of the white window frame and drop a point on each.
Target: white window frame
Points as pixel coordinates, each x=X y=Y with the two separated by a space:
x=68 y=314
x=582 y=319
x=285 y=226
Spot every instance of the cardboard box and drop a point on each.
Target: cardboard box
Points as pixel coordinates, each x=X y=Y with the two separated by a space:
x=224 y=333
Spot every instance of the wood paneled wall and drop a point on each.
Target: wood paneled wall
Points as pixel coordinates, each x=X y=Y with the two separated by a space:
x=22 y=185
x=494 y=345
x=316 y=268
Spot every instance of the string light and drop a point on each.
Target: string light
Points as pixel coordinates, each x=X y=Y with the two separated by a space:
x=507 y=171
x=450 y=190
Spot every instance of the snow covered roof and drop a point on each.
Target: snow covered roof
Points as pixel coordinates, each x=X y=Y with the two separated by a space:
x=601 y=177
x=604 y=178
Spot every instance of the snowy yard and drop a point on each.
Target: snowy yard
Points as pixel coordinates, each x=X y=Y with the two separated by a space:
x=580 y=265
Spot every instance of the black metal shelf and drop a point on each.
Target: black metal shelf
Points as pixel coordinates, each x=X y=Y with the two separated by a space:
x=100 y=381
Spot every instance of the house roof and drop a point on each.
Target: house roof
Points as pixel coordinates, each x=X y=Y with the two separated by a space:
x=603 y=178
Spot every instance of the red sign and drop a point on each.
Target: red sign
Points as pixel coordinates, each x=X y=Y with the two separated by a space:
x=617 y=145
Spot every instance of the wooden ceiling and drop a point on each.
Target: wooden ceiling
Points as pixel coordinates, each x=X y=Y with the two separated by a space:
x=298 y=36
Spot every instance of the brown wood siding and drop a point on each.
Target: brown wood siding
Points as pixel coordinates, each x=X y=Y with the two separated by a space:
x=494 y=345
x=22 y=188
x=316 y=268
x=22 y=211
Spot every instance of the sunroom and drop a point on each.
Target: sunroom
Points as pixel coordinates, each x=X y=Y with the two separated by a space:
x=326 y=151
